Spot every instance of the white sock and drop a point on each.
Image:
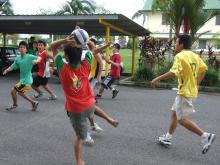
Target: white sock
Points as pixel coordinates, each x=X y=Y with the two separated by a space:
x=169 y=135
x=205 y=134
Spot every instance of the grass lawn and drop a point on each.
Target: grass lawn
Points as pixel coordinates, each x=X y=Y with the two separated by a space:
x=126 y=55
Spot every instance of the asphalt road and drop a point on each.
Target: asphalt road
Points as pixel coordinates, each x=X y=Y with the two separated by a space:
x=45 y=137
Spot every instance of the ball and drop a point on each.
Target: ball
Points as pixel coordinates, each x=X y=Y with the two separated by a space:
x=81 y=37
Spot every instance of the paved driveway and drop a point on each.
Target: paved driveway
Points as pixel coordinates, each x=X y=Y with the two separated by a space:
x=45 y=137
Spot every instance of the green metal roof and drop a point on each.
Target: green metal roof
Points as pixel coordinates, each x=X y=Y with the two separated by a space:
x=210 y=5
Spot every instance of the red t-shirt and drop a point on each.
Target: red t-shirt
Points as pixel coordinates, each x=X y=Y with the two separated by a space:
x=42 y=64
x=75 y=83
x=115 y=70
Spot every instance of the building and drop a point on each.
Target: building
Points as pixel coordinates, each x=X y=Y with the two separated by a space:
x=157 y=24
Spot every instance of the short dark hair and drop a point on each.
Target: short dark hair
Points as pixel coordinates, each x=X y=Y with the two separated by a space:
x=186 y=40
x=117 y=46
x=41 y=42
x=23 y=43
x=73 y=53
x=93 y=40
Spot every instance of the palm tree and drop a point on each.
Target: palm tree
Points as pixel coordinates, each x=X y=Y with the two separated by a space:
x=188 y=14
x=75 y=7
x=139 y=14
x=6 y=8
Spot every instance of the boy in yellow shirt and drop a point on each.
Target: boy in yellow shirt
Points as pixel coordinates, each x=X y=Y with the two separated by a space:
x=190 y=70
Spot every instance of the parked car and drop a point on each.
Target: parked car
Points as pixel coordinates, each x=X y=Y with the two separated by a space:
x=7 y=56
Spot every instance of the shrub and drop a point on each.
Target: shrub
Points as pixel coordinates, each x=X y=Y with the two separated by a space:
x=143 y=74
x=211 y=78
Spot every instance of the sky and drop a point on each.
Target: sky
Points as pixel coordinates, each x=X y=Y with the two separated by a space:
x=125 y=7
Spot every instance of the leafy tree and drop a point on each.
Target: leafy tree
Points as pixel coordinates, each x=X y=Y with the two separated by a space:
x=5 y=7
x=188 y=14
x=75 y=7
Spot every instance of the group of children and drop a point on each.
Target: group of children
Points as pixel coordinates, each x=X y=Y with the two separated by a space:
x=76 y=74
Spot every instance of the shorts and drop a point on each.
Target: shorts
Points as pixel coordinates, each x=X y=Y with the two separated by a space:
x=107 y=82
x=183 y=107
x=79 y=121
x=22 y=88
x=38 y=81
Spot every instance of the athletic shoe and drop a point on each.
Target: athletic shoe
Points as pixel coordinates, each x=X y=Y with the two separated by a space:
x=207 y=142
x=165 y=139
x=98 y=96
x=37 y=95
x=11 y=107
x=88 y=140
x=114 y=93
x=52 y=97
x=34 y=106
x=96 y=128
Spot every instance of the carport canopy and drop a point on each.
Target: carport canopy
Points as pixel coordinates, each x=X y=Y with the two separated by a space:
x=51 y=24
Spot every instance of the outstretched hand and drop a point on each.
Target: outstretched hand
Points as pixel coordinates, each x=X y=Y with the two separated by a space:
x=154 y=83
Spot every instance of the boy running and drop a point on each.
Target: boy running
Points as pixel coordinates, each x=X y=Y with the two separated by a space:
x=114 y=74
x=43 y=73
x=190 y=71
x=80 y=101
x=24 y=62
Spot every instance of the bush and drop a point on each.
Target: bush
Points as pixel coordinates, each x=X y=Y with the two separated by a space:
x=211 y=78
x=145 y=74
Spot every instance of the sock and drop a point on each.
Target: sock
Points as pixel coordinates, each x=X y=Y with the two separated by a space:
x=169 y=135
x=205 y=134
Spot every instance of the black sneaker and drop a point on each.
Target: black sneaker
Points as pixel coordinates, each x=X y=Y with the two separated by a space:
x=98 y=96
x=114 y=93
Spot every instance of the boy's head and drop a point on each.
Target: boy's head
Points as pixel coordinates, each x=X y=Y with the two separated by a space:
x=72 y=54
x=34 y=45
x=23 y=47
x=41 y=45
x=183 y=42
x=116 y=47
x=93 y=40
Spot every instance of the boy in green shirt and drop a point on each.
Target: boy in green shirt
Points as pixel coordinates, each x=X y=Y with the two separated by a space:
x=24 y=62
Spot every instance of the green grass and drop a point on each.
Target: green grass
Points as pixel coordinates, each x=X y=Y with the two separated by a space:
x=126 y=55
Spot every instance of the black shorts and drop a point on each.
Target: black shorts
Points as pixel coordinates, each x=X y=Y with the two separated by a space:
x=107 y=82
x=38 y=81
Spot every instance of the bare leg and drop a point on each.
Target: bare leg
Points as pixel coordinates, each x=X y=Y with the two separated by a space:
x=36 y=89
x=14 y=96
x=91 y=120
x=99 y=112
x=101 y=90
x=78 y=151
x=191 y=126
x=28 y=98
x=173 y=123
x=46 y=87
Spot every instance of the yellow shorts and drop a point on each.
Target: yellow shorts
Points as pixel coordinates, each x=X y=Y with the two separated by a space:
x=22 y=87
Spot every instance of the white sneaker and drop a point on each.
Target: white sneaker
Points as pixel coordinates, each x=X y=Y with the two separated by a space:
x=96 y=128
x=207 y=142
x=52 y=97
x=88 y=140
x=165 y=139
x=37 y=95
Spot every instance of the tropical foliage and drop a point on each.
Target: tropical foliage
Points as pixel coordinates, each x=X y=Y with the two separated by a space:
x=5 y=8
x=75 y=7
x=186 y=14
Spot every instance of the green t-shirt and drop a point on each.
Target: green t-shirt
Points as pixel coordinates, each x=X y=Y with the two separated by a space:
x=59 y=61
x=31 y=51
x=25 y=64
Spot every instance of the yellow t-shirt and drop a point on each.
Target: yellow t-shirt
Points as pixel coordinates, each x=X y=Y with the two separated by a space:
x=93 y=67
x=187 y=65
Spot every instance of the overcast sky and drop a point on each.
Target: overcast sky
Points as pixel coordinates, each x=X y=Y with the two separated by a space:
x=125 y=7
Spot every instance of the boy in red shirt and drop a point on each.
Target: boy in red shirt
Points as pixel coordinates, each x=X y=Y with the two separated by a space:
x=43 y=73
x=80 y=101
x=114 y=74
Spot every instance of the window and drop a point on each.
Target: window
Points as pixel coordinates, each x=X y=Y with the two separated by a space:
x=217 y=20
x=165 y=20
x=202 y=44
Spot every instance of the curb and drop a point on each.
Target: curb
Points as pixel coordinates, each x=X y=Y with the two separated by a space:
x=128 y=82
